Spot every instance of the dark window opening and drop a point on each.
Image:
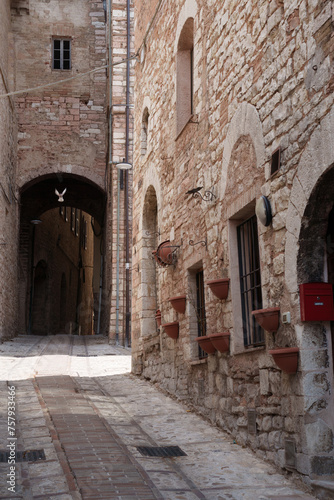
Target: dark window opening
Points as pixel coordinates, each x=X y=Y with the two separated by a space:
x=200 y=310
x=250 y=280
x=275 y=161
x=62 y=54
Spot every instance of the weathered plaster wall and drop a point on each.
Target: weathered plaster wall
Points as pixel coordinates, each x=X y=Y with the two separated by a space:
x=263 y=76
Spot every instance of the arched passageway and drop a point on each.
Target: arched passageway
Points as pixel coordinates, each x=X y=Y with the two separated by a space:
x=61 y=256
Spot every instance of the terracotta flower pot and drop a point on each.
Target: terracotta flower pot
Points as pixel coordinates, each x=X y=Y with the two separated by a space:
x=158 y=317
x=221 y=341
x=267 y=318
x=172 y=329
x=219 y=287
x=165 y=254
x=179 y=303
x=206 y=344
x=286 y=358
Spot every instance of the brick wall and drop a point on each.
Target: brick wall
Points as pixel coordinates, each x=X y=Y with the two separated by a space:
x=262 y=79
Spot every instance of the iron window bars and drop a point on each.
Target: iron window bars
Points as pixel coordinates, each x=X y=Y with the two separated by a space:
x=250 y=280
x=200 y=310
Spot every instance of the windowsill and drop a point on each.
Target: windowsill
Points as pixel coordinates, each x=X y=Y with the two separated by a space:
x=198 y=362
x=250 y=349
x=61 y=70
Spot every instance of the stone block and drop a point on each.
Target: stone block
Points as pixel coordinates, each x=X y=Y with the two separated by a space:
x=319 y=437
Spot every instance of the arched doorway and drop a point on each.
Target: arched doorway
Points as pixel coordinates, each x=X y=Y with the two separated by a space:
x=315 y=263
x=68 y=238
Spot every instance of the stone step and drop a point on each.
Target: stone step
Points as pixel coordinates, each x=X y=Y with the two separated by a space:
x=323 y=489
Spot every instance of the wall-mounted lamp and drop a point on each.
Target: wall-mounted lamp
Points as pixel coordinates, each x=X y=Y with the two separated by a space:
x=208 y=195
x=124 y=165
x=263 y=210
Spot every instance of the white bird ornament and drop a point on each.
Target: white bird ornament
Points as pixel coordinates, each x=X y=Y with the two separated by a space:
x=60 y=195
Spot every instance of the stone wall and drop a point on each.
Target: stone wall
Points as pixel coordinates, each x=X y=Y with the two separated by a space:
x=262 y=80
x=63 y=126
x=8 y=201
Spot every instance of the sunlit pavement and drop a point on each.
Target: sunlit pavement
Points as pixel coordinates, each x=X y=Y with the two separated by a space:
x=79 y=417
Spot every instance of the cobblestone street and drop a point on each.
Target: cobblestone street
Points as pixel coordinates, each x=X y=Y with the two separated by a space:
x=76 y=401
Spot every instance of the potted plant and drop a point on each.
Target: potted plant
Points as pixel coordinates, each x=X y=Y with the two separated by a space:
x=179 y=303
x=219 y=287
x=267 y=318
x=206 y=344
x=172 y=329
x=221 y=341
x=286 y=358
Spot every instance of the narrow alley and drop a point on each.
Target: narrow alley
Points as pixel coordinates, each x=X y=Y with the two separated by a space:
x=80 y=426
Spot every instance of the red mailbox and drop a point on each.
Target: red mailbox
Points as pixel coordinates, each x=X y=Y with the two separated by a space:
x=316 y=302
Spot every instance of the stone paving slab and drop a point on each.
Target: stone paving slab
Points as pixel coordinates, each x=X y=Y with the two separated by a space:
x=77 y=402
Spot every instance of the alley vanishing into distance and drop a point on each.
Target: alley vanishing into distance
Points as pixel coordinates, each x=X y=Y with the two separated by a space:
x=81 y=419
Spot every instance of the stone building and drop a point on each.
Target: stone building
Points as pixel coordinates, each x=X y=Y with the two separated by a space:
x=8 y=202
x=73 y=114
x=233 y=180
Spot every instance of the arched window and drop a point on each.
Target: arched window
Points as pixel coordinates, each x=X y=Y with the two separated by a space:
x=184 y=75
x=144 y=132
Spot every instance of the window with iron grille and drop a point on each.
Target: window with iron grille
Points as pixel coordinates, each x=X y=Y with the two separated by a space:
x=200 y=309
x=61 y=54
x=250 y=280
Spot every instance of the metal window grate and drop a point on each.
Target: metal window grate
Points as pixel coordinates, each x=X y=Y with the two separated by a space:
x=250 y=280
x=23 y=456
x=200 y=307
x=161 y=451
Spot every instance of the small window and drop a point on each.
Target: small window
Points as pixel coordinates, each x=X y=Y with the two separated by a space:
x=184 y=76
x=61 y=54
x=250 y=280
x=144 y=132
x=275 y=161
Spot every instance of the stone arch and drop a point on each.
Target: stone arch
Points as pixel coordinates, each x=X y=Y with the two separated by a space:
x=314 y=162
x=39 y=172
x=189 y=10
x=245 y=122
x=307 y=220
